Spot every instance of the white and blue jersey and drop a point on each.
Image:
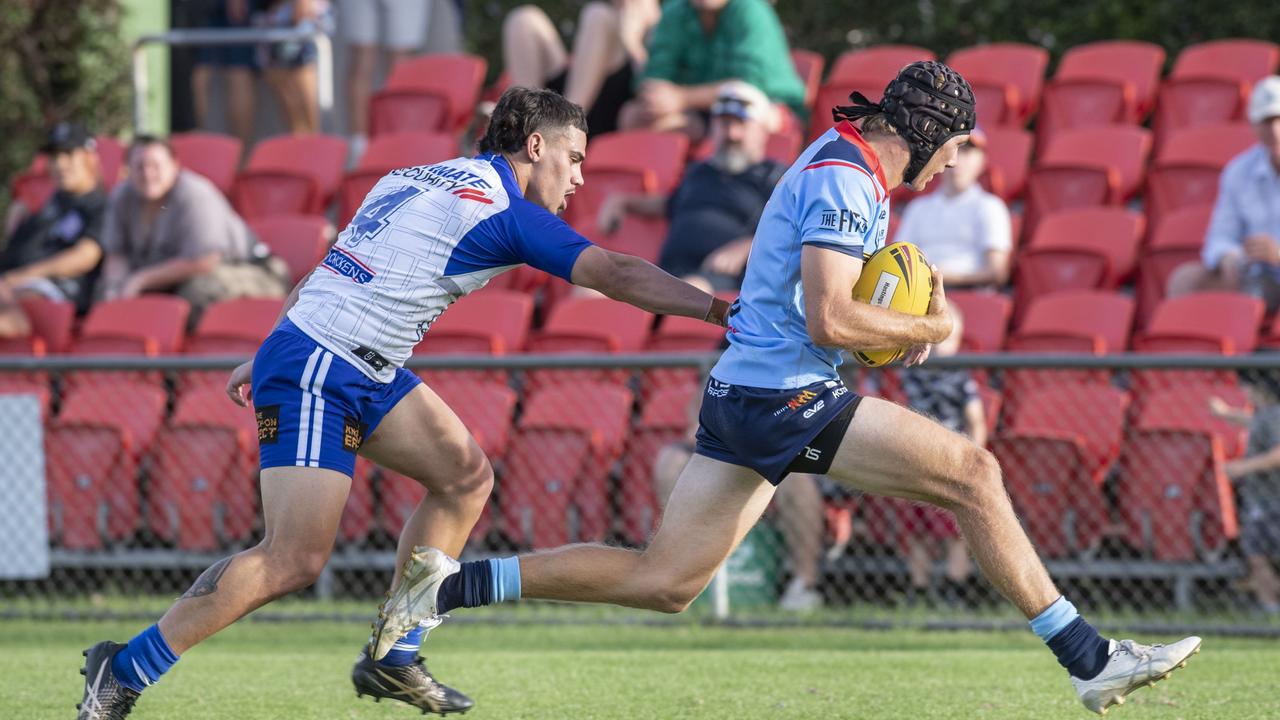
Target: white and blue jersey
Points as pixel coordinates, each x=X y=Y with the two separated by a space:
x=424 y=237
x=835 y=197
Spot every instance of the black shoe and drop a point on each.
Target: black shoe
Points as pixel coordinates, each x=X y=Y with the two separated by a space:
x=410 y=684
x=104 y=698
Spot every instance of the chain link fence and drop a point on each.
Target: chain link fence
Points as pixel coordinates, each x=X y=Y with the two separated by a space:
x=1142 y=480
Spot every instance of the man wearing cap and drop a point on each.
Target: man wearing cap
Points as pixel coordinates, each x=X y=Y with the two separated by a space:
x=775 y=405
x=1242 y=246
x=714 y=211
x=55 y=252
x=963 y=229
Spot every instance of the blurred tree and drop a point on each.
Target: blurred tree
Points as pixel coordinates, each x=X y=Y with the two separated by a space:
x=59 y=60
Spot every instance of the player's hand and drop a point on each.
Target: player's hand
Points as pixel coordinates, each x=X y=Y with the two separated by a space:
x=1219 y=407
x=241 y=378
x=1262 y=248
x=612 y=210
x=938 y=310
x=917 y=354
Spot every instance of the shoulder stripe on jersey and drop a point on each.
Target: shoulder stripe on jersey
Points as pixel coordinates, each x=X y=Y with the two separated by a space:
x=840 y=163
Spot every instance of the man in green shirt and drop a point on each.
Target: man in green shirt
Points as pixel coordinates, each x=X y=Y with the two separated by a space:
x=700 y=43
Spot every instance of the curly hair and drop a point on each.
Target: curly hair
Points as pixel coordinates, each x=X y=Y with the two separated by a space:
x=523 y=111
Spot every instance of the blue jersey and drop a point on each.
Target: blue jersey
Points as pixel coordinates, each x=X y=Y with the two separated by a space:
x=424 y=237
x=833 y=197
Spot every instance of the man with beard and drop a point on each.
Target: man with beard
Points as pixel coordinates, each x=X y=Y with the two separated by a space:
x=714 y=211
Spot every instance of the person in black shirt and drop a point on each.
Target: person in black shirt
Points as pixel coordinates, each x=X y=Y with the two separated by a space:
x=715 y=209
x=55 y=252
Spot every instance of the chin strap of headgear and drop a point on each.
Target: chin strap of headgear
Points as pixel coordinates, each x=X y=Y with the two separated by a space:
x=928 y=103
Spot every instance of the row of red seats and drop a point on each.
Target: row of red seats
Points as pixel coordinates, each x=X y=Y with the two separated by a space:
x=1100 y=83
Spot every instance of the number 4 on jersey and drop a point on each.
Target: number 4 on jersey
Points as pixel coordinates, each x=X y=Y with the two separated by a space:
x=373 y=215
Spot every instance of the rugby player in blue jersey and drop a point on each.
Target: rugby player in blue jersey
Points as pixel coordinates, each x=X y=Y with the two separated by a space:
x=328 y=384
x=774 y=404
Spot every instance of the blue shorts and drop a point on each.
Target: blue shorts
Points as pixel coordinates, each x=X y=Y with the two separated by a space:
x=315 y=409
x=775 y=432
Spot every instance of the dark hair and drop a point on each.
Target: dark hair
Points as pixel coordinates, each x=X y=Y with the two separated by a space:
x=523 y=111
x=142 y=141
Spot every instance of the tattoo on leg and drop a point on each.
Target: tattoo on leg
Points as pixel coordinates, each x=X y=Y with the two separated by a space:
x=207 y=583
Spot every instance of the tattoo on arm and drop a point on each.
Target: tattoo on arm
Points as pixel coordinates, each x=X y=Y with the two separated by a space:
x=207 y=583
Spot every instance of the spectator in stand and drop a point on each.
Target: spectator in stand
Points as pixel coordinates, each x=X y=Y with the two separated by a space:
x=951 y=397
x=962 y=228
x=1242 y=247
x=608 y=54
x=1257 y=480
x=236 y=61
x=170 y=230
x=699 y=44
x=291 y=67
x=55 y=253
x=397 y=26
x=798 y=516
x=718 y=203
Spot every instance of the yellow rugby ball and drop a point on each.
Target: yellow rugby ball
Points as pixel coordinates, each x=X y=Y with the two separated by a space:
x=897 y=277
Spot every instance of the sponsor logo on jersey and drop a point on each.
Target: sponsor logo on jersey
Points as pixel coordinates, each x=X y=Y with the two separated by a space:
x=812 y=453
x=796 y=402
x=444 y=177
x=817 y=408
x=843 y=220
x=268 y=424
x=352 y=433
x=717 y=389
x=472 y=194
x=343 y=263
x=838 y=392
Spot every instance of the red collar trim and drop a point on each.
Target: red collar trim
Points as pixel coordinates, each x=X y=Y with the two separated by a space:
x=850 y=133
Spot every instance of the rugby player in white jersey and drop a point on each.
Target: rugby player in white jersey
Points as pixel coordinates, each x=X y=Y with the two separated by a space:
x=775 y=404
x=328 y=383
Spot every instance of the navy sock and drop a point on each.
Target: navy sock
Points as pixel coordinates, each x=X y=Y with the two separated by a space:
x=143 y=660
x=480 y=583
x=1080 y=649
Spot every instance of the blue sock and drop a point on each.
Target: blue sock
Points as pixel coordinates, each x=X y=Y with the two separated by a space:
x=479 y=583
x=405 y=651
x=1077 y=645
x=143 y=660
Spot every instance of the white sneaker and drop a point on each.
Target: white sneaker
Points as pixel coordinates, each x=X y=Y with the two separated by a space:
x=413 y=601
x=1130 y=667
x=799 y=597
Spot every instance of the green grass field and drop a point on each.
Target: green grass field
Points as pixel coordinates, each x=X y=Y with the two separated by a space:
x=300 y=671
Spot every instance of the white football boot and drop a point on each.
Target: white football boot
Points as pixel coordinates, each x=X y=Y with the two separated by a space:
x=1130 y=667
x=414 y=599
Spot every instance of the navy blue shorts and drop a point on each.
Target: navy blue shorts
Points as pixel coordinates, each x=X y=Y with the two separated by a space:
x=775 y=432
x=315 y=409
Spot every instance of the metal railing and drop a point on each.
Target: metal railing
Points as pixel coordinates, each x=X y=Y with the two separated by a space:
x=235 y=36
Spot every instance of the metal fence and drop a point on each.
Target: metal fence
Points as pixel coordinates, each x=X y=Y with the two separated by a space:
x=122 y=479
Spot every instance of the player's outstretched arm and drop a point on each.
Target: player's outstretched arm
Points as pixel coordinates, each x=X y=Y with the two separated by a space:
x=641 y=283
x=836 y=320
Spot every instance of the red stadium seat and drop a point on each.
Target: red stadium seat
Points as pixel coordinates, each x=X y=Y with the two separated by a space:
x=1087 y=167
x=809 y=65
x=288 y=174
x=636 y=235
x=986 y=319
x=204 y=468
x=1078 y=249
x=358 y=515
x=1207 y=322
x=428 y=92
x=1101 y=83
x=300 y=240
x=640 y=161
x=384 y=154
x=1186 y=169
x=1210 y=83
x=493 y=322
x=1008 y=161
x=36 y=386
x=1174 y=499
x=589 y=325
x=51 y=323
x=555 y=487
x=146 y=325
x=1175 y=239
x=111 y=158
x=92 y=450
x=664 y=420
x=228 y=328
x=1054 y=455
x=1082 y=321
x=1271 y=341
x=1006 y=77
x=213 y=155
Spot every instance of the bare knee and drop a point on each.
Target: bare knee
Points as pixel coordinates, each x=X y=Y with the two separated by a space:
x=472 y=478
x=669 y=590
x=524 y=19
x=598 y=17
x=1187 y=277
x=978 y=473
x=293 y=568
